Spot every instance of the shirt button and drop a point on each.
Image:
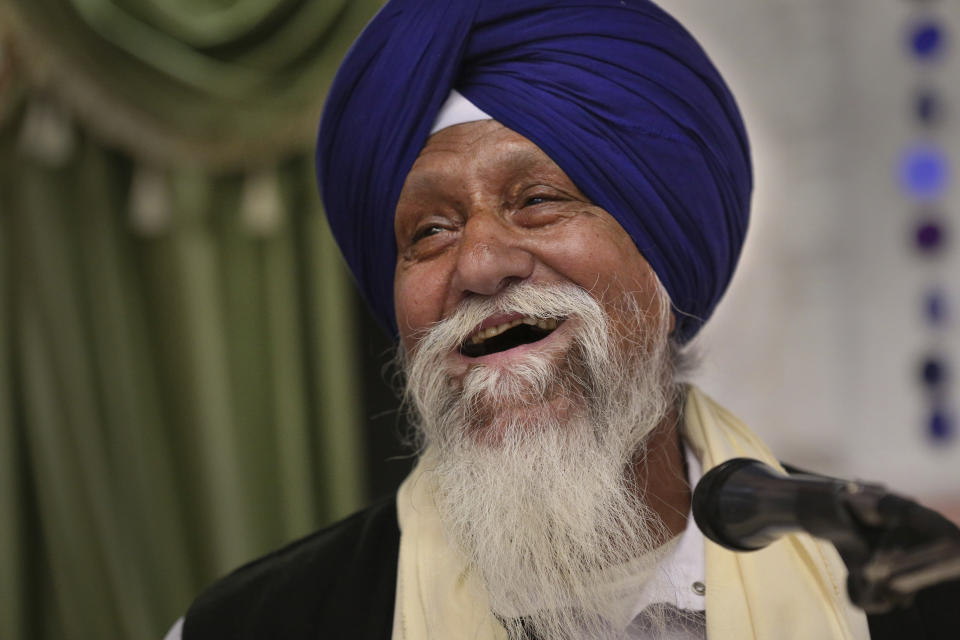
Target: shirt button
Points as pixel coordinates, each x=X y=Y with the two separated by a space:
x=699 y=588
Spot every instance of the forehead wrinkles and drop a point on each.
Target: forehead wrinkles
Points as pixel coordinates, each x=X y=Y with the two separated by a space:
x=485 y=160
x=484 y=149
x=462 y=136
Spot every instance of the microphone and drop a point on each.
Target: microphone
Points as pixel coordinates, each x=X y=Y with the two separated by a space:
x=744 y=505
x=892 y=546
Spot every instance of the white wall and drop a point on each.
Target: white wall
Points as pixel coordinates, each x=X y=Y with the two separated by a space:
x=817 y=342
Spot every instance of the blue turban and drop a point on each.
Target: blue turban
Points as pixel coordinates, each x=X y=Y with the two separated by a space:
x=616 y=92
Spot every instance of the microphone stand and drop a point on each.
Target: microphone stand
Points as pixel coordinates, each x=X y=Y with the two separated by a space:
x=892 y=546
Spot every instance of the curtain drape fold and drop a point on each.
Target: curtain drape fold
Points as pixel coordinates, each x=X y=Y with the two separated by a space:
x=178 y=385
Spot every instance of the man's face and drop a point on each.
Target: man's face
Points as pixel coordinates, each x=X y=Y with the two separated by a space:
x=484 y=209
x=535 y=430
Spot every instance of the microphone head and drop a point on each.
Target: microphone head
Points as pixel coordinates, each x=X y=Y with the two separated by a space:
x=711 y=509
x=727 y=511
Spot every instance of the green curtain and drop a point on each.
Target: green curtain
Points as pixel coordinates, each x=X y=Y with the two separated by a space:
x=178 y=384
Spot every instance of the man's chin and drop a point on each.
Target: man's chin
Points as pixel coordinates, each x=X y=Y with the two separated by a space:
x=498 y=422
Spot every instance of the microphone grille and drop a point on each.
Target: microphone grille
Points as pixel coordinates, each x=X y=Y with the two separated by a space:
x=706 y=502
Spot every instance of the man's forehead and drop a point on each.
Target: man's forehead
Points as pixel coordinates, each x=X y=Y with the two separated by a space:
x=462 y=137
x=484 y=150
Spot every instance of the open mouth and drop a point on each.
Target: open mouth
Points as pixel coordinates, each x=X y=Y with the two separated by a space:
x=525 y=330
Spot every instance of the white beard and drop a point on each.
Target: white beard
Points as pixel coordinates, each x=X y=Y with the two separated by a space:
x=538 y=495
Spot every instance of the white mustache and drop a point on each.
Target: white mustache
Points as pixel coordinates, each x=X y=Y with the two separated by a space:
x=428 y=368
x=559 y=300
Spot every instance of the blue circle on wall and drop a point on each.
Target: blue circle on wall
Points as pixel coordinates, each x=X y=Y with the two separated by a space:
x=928 y=107
x=935 y=308
x=933 y=372
x=927 y=39
x=941 y=425
x=924 y=171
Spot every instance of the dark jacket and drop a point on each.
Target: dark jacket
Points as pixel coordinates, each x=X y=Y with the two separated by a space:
x=340 y=583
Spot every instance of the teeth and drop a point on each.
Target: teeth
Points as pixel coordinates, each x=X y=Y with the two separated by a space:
x=485 y=334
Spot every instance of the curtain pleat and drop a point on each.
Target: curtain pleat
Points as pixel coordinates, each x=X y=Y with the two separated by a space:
x=205 y=374
x=331 y=346
x=289 y=407
x=13 y=552
x=131 y=418
x=82 y=530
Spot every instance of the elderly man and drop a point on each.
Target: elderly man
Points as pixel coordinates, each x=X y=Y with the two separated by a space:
x=543 y=200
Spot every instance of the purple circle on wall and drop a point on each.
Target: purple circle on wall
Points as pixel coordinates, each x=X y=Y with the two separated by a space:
x=930 y=236
x=924 y=171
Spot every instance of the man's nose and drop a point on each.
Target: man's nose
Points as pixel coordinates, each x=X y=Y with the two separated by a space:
x=490 y=257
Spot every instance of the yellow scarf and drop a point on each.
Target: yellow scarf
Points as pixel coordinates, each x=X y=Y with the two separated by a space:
x=793 y=589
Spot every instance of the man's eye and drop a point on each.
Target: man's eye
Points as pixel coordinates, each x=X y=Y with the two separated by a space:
x=427 y=231
x=535 y=200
